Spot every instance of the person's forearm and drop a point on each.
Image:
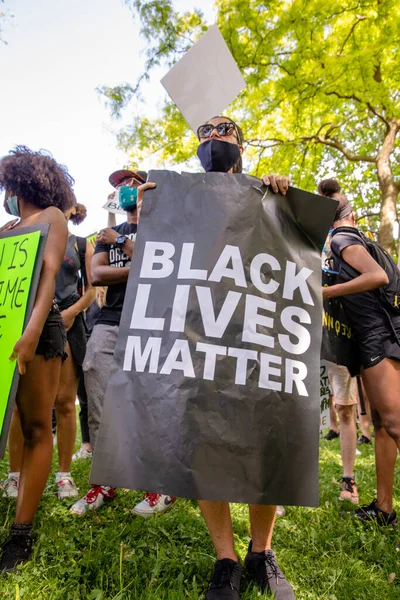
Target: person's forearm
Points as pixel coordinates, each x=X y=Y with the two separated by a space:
x=43 y=302
x=83 y=303
x=363 y=283
x=105 y=275
x=128 y=247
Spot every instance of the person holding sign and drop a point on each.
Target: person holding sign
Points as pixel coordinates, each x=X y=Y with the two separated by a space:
x=37 y=190
x=71 y=303
x=365 y=287
x=110 y=267
x=220 y=150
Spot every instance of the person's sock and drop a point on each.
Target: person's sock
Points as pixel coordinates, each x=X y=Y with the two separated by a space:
x=61 y=475
x=21 y=529
x=15 y=475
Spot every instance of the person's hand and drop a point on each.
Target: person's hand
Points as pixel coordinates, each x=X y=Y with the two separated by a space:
x=140 y=194
x=107 y=236
x=326 y=293
x=112 y=196
x=24 y=350
x=279 y=183
x=8 y=225
x=68 y=317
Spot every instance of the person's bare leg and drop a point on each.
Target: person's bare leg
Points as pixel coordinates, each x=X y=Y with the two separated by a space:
x=332 y=414
x=66 y=413
x=365 y=420
x=15 y=443
x=385 y=460
x=348 y=437
x=262 y=520
x=382 y=384
x=35 y=399
x=217 y=516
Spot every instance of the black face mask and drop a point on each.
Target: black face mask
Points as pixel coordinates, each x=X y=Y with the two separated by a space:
x=218 y=156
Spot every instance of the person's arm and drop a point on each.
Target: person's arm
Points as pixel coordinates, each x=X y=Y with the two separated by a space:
x=371 y=277
x=102 y=274
x=24 y=349
x=109 y=236
x=88 y=296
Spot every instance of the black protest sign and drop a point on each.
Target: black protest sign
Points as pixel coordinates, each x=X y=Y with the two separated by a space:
x=217 y=392
x=338 y=343
x=21 y=256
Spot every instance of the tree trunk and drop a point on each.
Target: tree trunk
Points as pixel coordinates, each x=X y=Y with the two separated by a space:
x=388 y=189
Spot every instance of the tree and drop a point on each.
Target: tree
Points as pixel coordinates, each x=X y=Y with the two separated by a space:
x=323 y=93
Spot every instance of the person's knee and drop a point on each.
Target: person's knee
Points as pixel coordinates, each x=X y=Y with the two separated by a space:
x=392 y=426
x=35 y=431
x=376 y=420
x=346 y=413
x=65 y=405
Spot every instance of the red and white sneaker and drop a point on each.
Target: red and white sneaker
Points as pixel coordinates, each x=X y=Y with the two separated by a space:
x=66 y=488
x=10 y=487
x=96 y=496
x=152 y=504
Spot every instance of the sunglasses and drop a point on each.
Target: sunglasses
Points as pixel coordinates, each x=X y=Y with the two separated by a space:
x=223 y=129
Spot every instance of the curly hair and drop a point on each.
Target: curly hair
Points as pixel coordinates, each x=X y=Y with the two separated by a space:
x=80 y=214
x=36 y=178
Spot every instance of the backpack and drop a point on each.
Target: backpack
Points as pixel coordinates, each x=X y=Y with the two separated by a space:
x=388 y=294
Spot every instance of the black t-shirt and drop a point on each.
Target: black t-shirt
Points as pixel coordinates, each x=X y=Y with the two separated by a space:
x=111 y=312
x=364 y=310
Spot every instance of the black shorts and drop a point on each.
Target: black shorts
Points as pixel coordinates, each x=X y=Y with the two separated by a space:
x=383 y=342
x=77 y=339
x=53 y=337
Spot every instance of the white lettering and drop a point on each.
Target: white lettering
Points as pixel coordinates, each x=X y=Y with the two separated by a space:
x=185 y=265
x=266 y=371
x=302 y=334
x=150 y=258
x=180 y=348
x=252 y=318
x=134 y=348
x=179 y=308
x=221 y=269
x=139 y=319
x=296 y=372
x=258 y=278
x=243 y=356
x=215 y=327
x=211 y=351
x=294 y=281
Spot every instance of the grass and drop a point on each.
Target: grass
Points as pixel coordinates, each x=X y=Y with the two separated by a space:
x=112 y=555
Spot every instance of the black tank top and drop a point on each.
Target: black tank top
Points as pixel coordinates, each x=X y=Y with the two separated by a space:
x=67 y=281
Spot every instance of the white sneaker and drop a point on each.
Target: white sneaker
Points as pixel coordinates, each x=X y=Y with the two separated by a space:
x=10 y=487
x=280 y=511
x=82 y=453
x=152 y=504
x=66 y=488
x=95 y=498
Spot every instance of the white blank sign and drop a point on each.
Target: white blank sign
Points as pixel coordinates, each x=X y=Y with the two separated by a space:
x=206 y=80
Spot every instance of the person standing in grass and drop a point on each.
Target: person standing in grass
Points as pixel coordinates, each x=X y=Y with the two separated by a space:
x=110 y=267
x=37 y=190
x=220 y=149
x=72 y=305
x=376 y=328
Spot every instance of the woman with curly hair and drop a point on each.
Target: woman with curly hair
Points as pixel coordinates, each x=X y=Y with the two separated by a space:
x=37 y=190
x=72 y=305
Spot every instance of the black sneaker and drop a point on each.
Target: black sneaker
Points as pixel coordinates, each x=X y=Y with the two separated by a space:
x=373 y=513
x=264 y=570
x=331 y=435
x=363 y=440
x=226 y=580
x=17 y=549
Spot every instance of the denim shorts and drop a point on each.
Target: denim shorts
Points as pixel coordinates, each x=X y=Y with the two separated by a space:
x=53 y=337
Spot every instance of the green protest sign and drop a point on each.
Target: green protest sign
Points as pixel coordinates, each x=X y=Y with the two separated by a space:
x=92 y=239
x=19 y=274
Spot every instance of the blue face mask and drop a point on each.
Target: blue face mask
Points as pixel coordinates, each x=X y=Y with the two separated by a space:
x=127 y=197
x=218 y=156
x=12 y=203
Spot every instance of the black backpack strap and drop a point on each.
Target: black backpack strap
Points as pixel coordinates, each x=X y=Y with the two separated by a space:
x=81 y=243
